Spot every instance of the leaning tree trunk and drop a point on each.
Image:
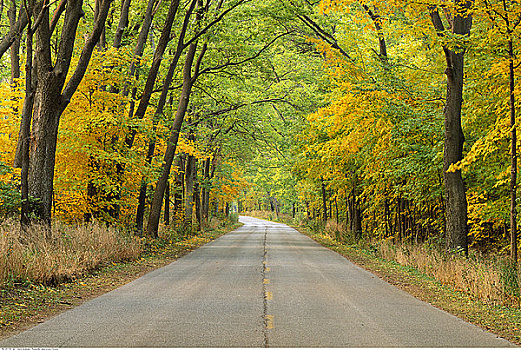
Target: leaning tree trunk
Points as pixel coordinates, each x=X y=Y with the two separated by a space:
x=188 y=81
x=455 y=196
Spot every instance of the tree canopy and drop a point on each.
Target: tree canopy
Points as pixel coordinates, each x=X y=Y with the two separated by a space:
x=395 y=118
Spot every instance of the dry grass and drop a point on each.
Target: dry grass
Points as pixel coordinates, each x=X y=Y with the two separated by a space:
x=489 y=279
x=44 y=256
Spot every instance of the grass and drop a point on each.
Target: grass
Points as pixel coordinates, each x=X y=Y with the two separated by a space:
x=51 y=256
x=25 y=302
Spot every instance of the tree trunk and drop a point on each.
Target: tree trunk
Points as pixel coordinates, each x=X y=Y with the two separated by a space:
x=51 y=98
x=15 y=47
x=387 y=216
x=123 y=23
x=167 y=204
x=206 y=191
x=140 y=213
x=189 y=190
x=455 y=196
x=513 y=157
x=179 y=189
x=156 y=64
x=324 y=200
x=188 y=81
x=25 y=130
x=197 y=198
x=357 y=218
x=15 y=29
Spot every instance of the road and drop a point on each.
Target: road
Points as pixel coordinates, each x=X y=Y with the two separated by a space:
x=263 y=285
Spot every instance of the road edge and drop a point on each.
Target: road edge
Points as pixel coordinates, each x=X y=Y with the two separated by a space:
x=25 y=306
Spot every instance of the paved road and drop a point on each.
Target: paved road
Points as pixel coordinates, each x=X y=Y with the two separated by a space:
x=264 y=284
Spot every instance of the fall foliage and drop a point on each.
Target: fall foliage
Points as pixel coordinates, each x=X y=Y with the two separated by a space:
x=373 y=114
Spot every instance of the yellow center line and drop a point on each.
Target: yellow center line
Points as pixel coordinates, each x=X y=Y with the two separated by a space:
x=269 y=295
x=267 y=269
x=266 y=281
x=269 y=321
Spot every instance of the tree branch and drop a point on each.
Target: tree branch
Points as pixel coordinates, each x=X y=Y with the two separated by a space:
x=212 y=23
x=57 y=14
x=231 y=64
x=14 y=32
x=86 y=53
x=323 y=34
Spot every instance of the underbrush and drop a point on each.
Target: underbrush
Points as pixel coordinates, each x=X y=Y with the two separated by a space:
x=39 y=255
x=50 y=256
x=489 y=279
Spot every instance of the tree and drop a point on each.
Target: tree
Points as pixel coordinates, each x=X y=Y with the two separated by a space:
x=506 y=15
x=455 y=195
x=52 y=95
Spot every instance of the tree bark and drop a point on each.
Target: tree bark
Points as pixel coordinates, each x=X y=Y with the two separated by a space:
x=189 y=190
x=377 y=21
x=206 y=192
x=25 y=130
x=15 y=47
x=188 y=81
x=455 y=195
x=513 y=157
x=179 y=188
x=324 y=200
x=51 y=98
x=122 y=24
x=167 y=204
x=197 y=198
x=15 y=31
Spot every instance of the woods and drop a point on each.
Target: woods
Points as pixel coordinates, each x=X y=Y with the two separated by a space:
x=395 y=120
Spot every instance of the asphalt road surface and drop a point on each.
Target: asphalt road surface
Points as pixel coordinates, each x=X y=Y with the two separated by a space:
x=263 y=285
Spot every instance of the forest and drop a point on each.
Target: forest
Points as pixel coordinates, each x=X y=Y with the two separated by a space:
x=382 y=121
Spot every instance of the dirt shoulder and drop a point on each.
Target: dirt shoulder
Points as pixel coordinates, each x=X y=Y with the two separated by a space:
x=22 y=306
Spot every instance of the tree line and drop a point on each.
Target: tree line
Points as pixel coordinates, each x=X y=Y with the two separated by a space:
x=395 y=117
x=416 y=137
x=125 y=112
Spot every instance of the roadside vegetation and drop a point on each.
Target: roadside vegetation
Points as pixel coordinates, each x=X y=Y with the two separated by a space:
x=50 y=256
x=76 y=263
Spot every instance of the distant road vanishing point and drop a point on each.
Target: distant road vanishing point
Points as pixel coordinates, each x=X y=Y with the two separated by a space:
x=262 y=285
